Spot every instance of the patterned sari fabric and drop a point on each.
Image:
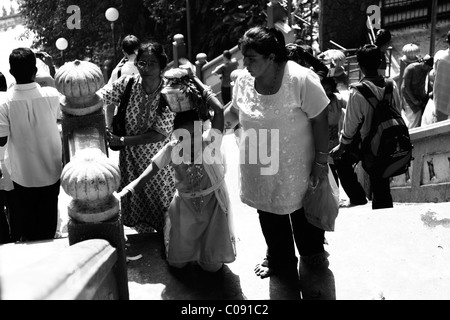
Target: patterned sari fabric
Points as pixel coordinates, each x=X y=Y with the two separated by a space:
x=145 y=210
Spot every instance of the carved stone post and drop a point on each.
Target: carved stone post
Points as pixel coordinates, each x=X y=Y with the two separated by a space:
x=179 y=49
x=275 y=12
x=89 y=176
x=201 y=61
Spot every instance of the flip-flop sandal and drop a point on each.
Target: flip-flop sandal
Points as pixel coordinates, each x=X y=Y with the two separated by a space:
x=263 y=270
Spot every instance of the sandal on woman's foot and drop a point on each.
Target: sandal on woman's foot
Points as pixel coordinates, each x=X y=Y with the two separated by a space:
x=263 y=270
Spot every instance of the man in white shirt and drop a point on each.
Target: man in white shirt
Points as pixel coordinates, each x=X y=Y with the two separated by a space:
x=28 y=125
x=130 y=46
x=440 y=79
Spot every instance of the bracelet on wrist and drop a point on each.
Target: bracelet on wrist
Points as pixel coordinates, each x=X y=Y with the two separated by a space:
x=321 y=164
x=322 y=153
x=129 y=189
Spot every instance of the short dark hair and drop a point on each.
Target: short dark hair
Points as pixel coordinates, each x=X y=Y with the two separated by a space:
x=369 y=56
x=428 y=60
x=185 y=117
x=227 y=54
x=331 y=81
x=130 y=44
x=383 y=37
x=155 y=48
x=264 y=41
x=22 y=62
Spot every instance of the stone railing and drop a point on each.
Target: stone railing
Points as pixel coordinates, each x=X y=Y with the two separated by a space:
x=55 y=271
x=92 y=264
x=428 y=178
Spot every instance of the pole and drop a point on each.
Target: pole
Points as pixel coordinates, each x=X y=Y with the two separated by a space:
x=372 y=33
x=312 y=22
x=270 y=22
x=434 y=6
x=114 y=44
x=289 y=9
x=188 y=17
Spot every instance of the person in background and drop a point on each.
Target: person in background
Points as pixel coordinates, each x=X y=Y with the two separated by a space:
x=33 y=157
x=336 y=112
x=382 y=40
x=280 y=96
x=10 y=221
x=8 y=213
x=356 y=127
x=415 y=90
x=411 y=53
x=3 y=82
x=130 y=46
x=149 y=123
x=303 y=55
x=46 y=69
x=441 y=82
x=223 y=71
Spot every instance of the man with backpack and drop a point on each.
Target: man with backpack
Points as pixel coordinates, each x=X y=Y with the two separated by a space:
x=357 y=134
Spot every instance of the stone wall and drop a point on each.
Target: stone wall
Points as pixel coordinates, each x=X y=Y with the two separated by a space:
x=344 y=22
x=428 y=178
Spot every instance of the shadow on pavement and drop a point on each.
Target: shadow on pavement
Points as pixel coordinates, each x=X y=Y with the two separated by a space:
x=317 y=283
x=151 y=278
x=159 y=281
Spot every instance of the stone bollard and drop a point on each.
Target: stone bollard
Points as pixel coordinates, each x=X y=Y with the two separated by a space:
x=179 y=49
x=275 y=12
x=89 y=176
x=81 y=107
x=199 y=63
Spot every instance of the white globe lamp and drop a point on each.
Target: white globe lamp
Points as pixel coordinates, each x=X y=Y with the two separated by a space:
x=62 y=44
x=112 y=14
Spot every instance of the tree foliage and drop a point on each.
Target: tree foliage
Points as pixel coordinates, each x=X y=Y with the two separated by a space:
x=47 y=19
x=215 y=24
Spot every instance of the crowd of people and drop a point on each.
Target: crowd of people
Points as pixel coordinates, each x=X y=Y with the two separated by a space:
x=283 y=89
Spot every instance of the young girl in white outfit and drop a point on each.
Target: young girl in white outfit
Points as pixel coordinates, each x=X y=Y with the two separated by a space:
x=201 y=228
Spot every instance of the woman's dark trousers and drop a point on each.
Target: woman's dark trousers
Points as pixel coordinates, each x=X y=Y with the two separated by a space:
x=283 y=232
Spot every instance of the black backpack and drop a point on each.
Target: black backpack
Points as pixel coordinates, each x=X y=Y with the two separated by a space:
x=387 y=150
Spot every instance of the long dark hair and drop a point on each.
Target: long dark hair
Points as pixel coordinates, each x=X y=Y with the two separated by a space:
x=264 y=41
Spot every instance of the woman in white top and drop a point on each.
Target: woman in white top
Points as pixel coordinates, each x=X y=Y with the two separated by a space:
x=282 y=108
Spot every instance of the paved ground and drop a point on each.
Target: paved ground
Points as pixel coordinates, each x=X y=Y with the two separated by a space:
x=401 y=253
x=394 y=254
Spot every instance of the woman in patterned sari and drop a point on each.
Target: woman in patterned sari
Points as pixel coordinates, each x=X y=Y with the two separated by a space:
x=149 y=124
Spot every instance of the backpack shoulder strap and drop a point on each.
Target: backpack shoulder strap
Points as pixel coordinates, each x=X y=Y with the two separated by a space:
x=367 y=93
x=126 y=94
x=389 y=89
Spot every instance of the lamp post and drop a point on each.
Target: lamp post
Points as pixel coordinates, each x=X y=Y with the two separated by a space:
x=112 y=15
x=62 y=44
x=188 y=18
